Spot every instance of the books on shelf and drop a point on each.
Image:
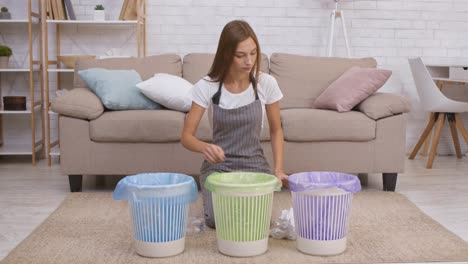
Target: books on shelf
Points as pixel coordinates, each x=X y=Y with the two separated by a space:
x=70 y=11
x=129 y=10
x=48 y=10
x=63 y=13
x=63 y=10
x=60 y=10
x=53 y=9
x=122 y=11
x=56 y=9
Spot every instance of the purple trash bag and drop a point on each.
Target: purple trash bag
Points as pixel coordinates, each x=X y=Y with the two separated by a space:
x=306 y=181
x=322 y=217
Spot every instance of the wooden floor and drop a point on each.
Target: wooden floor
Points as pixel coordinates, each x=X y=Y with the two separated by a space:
x=29 y=194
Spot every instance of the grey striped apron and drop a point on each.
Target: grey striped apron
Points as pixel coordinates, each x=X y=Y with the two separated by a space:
x=237 y=132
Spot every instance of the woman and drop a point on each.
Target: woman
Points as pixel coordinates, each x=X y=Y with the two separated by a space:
x=236 y=95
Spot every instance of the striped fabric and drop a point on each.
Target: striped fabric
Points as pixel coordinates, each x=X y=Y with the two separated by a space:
x=242 y=218
x=320 y=217
x=161 y=219
x=237 y=132
x=207 y=201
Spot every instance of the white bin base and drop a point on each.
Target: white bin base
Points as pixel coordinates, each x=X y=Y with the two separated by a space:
x=242 y=249
x=321 y=247
x=159 y=250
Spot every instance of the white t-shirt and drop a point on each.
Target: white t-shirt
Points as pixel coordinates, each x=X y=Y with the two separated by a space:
x=267 y=88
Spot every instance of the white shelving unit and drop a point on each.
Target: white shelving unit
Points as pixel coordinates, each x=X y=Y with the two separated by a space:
x=55 y=151
x=20 y=149
x=34 y=107
x=14 y=21
x=37 y=107
x=53 y=66
x=17 y=70
x=93 y=22
x=60 y=70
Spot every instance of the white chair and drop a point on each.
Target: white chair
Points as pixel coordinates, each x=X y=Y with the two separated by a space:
x=441 y=107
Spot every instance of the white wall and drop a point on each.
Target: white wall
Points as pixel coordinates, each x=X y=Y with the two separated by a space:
x=389 y=30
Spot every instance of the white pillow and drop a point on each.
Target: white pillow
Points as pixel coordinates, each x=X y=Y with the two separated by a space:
x=168 y=90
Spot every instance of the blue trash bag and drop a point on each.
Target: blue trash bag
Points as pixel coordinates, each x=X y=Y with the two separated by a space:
x=158 y=204
x=156 y=185
x=306 y=181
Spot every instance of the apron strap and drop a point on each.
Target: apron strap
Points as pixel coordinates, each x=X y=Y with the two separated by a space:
x=217 y=96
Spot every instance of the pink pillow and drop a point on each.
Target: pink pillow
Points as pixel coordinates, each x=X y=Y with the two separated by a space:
x=351 y=88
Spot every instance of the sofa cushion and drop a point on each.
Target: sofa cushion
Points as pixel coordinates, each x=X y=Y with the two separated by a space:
x=351 y=88
x=78 y=103
x=138 y=126
x=197 y=65
x=146 y=67
x=117 y=89
x=303 y=78
x=168 y=90
x=380 y=105
x=302 y=125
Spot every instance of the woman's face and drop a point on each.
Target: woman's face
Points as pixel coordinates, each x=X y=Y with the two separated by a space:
x=244 y=57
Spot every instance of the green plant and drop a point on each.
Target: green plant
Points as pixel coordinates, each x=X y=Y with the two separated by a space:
x=99 y=7
x=4 y=10
x=5 y=51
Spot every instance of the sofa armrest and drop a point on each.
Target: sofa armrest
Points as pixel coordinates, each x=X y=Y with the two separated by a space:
x=380 y=105
x=79 y=103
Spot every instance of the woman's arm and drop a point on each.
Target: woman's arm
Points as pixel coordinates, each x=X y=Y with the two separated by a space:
x=277 y=141
x=211 y=152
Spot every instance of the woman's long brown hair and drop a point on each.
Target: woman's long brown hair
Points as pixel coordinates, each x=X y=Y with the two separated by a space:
x=233 y=33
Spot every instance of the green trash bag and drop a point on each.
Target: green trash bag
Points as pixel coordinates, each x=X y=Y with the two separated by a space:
x=242 y=204
x=242 y=182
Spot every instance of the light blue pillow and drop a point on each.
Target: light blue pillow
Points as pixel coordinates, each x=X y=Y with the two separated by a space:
x=117 y=89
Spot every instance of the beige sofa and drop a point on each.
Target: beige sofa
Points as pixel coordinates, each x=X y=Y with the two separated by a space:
x=368 y=140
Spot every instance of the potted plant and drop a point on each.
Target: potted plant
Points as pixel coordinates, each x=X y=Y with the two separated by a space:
x=99 y=14
x=5 y=53
x=4 y=14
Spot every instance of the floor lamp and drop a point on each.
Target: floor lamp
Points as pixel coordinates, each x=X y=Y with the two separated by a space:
x=337 y=13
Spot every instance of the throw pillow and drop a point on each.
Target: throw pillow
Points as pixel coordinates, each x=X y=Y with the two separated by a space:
x=380 y=105
x=117 y=89
x=168 y=90
x=352 y=87
x=78 y=103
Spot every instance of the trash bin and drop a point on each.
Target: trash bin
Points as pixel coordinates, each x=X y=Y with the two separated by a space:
x=158 y=204
x=322 y=204
x=242 y=204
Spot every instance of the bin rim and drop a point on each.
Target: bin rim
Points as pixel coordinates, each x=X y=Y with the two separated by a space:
x=244 y=185
x=273 y=181
x=351 y=184
x=351 y=180
x=129 y=183
x=126 y=187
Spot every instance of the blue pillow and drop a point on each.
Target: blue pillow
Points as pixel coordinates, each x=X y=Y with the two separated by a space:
x=117 y=89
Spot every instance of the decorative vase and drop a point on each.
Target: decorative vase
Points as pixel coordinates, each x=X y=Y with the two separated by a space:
x=5 y=15
x=4 y=62
x=99 y=15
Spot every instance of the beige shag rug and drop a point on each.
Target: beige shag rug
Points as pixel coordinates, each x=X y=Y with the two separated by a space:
x=384 y=227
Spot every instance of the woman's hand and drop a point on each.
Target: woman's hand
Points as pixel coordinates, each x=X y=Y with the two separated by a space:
x=282 y=177
x=213 y=153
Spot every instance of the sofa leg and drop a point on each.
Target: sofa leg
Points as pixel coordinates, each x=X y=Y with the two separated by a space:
x=76 y=182
x=389 y=181
x=363 y=178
